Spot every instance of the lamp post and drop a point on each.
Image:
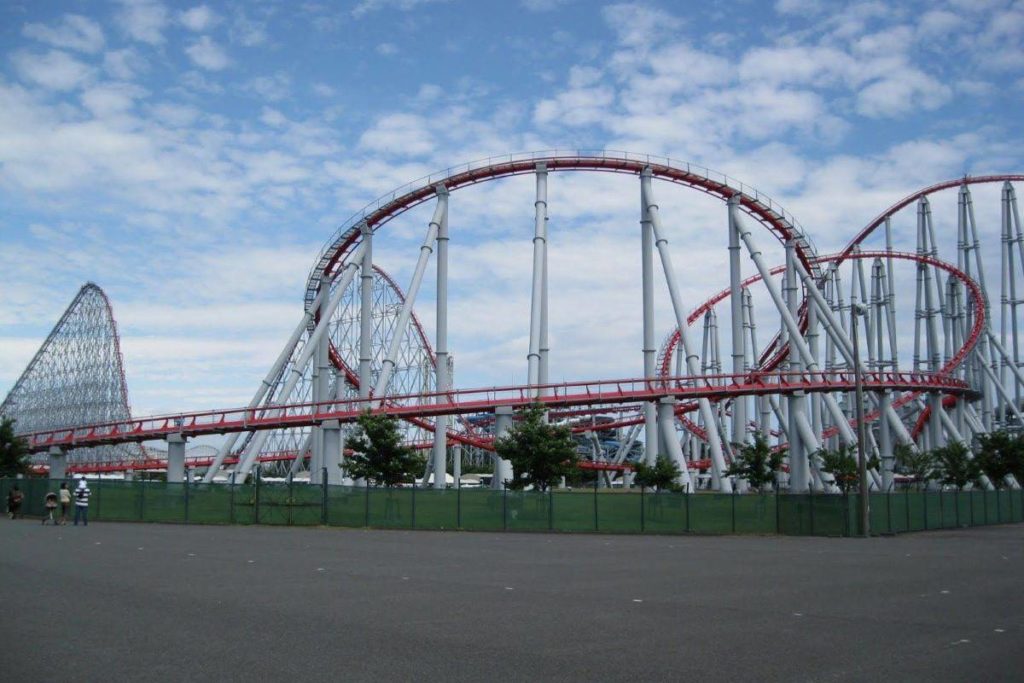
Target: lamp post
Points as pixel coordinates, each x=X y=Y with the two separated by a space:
x=856 y=310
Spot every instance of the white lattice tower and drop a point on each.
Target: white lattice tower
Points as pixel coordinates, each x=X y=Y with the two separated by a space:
x=76 y=378
x=414 y=370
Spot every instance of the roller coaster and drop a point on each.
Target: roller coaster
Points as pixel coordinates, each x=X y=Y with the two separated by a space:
x=837 y=326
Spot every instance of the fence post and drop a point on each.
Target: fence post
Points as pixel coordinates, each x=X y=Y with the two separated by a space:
x=367 y=524
x=810 y=497
x=414 y=502
x=596 y=480
x=504 y=508
x=956 y=506
x=687 y=499
x=99 y=498
x=142 y=501
x=733 y=499
x=984 y=497
x=778 y=514
x=458 y=503
x=924 y=499
x=323 y=499
x=999 y=509
x=906 y=500
x=643 y=511
x=846 y=513
x=551 y=508
x=231 y=499
x=256 y=497
x=188 y=475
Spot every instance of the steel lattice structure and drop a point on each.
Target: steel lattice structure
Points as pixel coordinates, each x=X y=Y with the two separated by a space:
x=903 y=312
x=76 y=377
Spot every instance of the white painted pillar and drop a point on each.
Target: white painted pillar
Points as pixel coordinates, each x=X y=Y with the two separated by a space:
x=175 y=458
x=440 y=451
x=332 y=445
x=502 y=468
x=669 y=444
x=58 y=463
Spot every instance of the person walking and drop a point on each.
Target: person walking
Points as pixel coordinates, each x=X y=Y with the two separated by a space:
x=14 y=498
x=65 y=502
x=82 y=503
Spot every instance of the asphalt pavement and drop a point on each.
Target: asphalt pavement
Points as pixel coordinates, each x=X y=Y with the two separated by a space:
x=151 y=602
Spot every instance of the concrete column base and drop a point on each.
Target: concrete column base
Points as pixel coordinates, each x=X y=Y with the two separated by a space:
x=502 y=468
x=58 y=464
x=175 y=458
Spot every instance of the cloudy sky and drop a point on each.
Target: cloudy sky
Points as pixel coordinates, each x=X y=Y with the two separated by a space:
x=192 y=159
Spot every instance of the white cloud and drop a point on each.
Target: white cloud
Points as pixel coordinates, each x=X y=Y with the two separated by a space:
x=207 y=54
x=799 y=7
x=124 y=64
x=54 y=70
x=543 y=5
x=364 y=7
x=387 y=49
x=74 y=32
x=143 y=20
x=902 y=91
x=247 y=32
x=638 y=25
x=273 y=88
x=199 y=18
x=323 y=90
x=111 y=98
x=273 y=117
x=399 y=134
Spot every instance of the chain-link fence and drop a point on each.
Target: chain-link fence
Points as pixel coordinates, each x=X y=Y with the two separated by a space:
x=591 y=510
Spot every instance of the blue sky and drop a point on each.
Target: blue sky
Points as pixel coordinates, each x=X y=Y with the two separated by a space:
x=193 y=158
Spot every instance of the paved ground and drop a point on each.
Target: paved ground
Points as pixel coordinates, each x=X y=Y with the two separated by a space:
x=159 y=602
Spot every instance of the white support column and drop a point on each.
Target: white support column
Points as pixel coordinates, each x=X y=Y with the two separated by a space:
x=58 y=463
x=502 y=468
x=343 y=279
x=540 y=237
x=366 y=313
x=457 y=464
x=265 y=386
x=321 y=385
x=388 y=366
x=331 y=456
x=175 y=458
x=440 y=451
x=795 y=339
x=692 y=361
x=649 y=350
x=670 y=447
x=834 y=329
x=739 y=406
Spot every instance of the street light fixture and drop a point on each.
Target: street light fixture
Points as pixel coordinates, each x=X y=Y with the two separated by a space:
x=856 y=310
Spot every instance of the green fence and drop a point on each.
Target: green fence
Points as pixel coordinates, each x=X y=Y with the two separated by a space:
x=592 y=510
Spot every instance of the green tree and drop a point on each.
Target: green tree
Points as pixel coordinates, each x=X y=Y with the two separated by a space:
x=1001 y=454
x=917 y=464
x=13 y=450
x=662 y=475
x=379 y=455
x=540 y=453
x=954 y=465
x=842 y=463
x=757 y=462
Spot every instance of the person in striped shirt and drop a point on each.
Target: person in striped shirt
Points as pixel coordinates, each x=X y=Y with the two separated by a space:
x=82 y=503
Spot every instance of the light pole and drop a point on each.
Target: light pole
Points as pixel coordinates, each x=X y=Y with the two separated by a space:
x=856 y=310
